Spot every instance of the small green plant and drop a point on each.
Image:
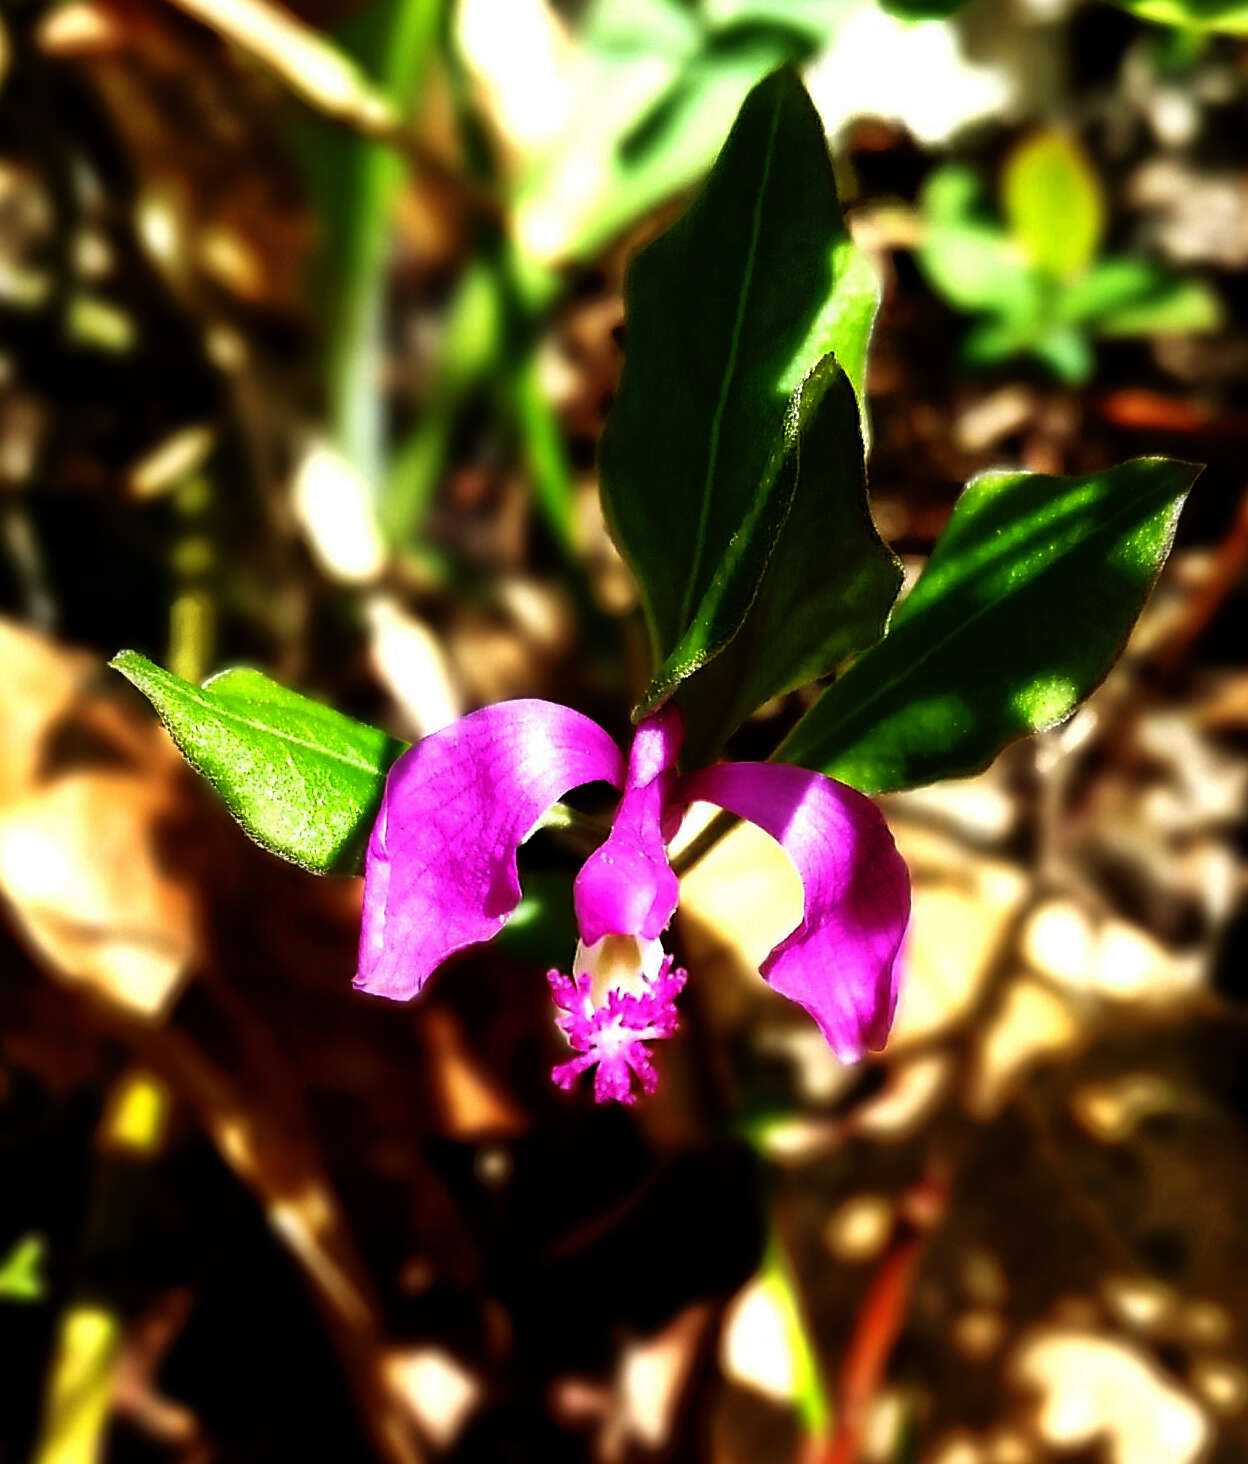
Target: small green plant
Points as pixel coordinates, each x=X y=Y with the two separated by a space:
x=1032 y=274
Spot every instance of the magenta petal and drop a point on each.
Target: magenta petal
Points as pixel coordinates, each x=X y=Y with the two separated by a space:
x=626 y=886
x=440 y=873
x=841 y=961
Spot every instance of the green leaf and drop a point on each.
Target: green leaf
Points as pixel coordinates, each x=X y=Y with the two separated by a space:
x=1025 y=603
x=1183 y=307
x=805 y=584
x=974 y=268
x=663 y=81
x=1053 y=205
x=303 y=780
x=1126 y=296
x=1066 y=352
x=966 y=256
x=728 y=313
x=1174 y=306
x=1230 y=16
x=994 y=340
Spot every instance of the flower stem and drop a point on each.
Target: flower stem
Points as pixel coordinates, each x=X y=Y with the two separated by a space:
x=702 y=844
x=563 y=819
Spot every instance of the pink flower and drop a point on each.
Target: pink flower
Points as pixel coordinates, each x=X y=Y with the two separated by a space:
x=441 y=875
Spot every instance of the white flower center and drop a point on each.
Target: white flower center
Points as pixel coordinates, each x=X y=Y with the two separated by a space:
x=617 y=963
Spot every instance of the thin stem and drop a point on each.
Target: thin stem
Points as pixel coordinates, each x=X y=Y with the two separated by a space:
x=563 y=819
x=813 y=1406
x=702 y=844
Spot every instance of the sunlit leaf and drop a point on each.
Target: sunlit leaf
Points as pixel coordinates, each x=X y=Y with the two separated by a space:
x=303 y=780
x=821 y=581
x=728 y=313
x=1053 y=204
x=1024 y=604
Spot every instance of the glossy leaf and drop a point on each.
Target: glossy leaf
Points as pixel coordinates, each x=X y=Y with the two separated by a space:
x=303 y=780
x=819 y=580
x=728 y=313
x=1053 y=204
x=1025 y=603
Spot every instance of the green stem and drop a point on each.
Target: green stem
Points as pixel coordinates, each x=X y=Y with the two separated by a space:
x=702 y=844
x=560 y=817
x=814 y=1409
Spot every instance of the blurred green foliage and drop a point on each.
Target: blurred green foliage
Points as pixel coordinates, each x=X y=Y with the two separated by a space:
x=21 y=1270
x=1230 y=16
x=1033 y=277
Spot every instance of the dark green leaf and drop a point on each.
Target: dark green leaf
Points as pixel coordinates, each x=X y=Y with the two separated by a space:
x=728 y=313
x=816 y=579
x=303 y=780
x=1023 y=607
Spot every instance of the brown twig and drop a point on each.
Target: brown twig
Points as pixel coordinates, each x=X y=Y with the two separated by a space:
x=882 y=1316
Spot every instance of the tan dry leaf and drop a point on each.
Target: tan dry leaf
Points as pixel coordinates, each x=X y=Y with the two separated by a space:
x=963 y=905
x=1095 y=1389
x=1031 y=1023
x=86 y=797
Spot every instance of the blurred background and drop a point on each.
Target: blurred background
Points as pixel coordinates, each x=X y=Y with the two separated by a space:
x=309 y=322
